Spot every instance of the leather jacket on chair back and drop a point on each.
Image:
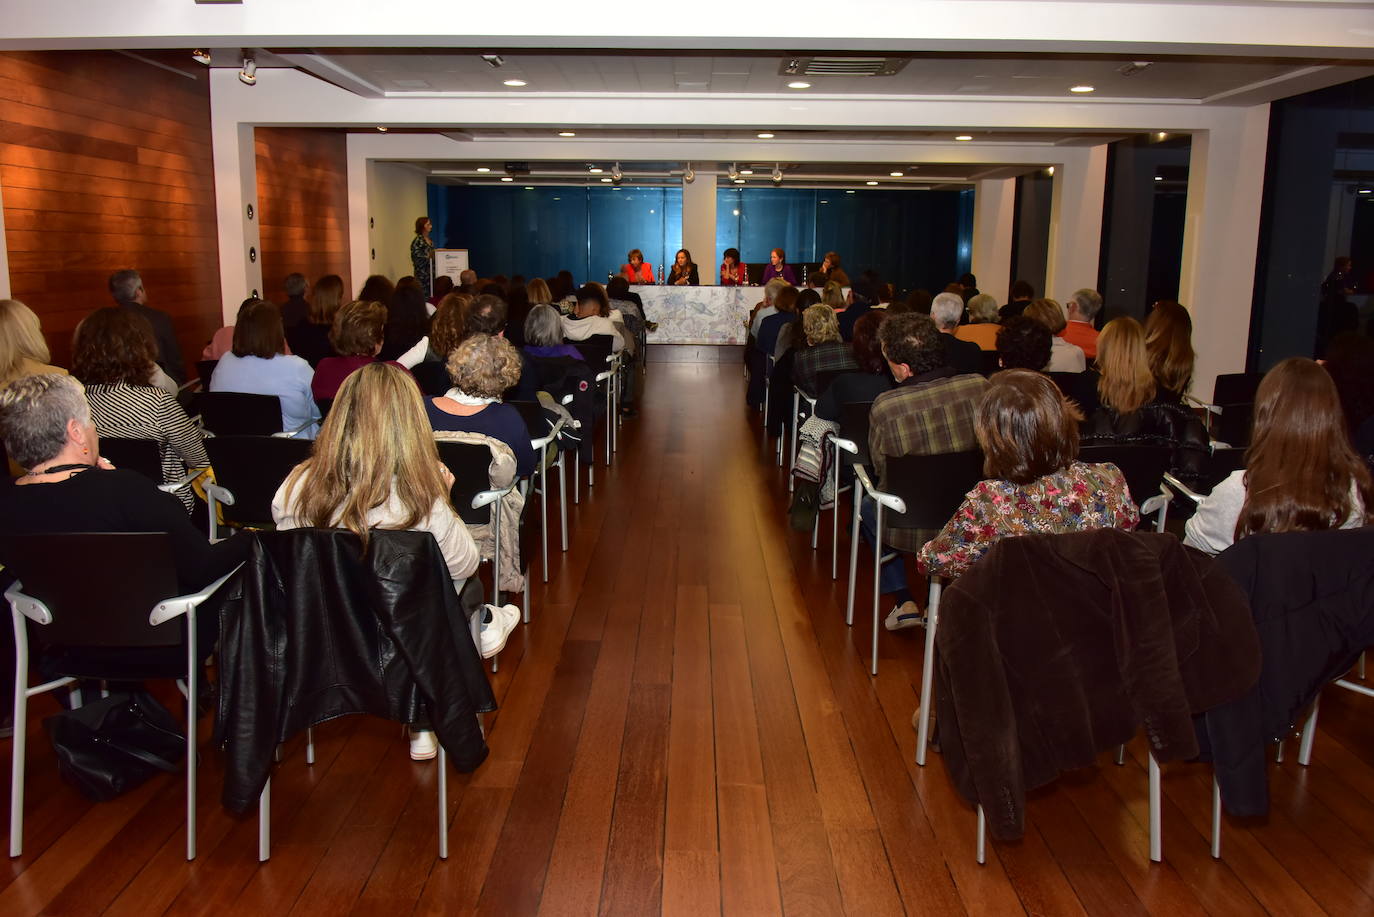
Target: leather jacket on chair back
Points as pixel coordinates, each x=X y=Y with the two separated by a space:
x=312 y=628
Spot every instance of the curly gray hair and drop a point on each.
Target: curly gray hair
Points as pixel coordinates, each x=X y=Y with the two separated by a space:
x=34 y=411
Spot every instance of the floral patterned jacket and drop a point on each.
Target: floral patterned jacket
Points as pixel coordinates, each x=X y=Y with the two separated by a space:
x=1075 y=499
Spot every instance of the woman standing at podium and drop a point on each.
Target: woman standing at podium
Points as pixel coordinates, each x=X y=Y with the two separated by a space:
x=637 y=271
x=422 y=255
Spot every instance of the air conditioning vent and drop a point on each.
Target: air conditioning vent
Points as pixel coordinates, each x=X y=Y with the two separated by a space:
x=842 y=66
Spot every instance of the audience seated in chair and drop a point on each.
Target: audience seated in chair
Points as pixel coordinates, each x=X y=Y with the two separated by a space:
x=482 y=367
x=1301 y=473
x=1169 y=348
x=357 y=339
x=259 y=365
x=113 y=355
x=982 y=328
x=375 y=465
x=309 y=340
x=1081 y=310
x=1064 y=357
x=963 y=356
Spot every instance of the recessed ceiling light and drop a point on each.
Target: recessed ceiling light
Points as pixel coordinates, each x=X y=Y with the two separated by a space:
x=483 y=169
x=799 y=84
x=1365 y=191
x=1162 y=135
x=529 y=187
x=825 y=202
x=964 y=137
x=1082 y=88
x=739 y=181
x=506 y=178
x=870 y=183
x=896 y=174
x=746 y=171
x=1159 y=178
x=567 y=133
x=1050 y=170
x=381 y=129
x=850 y=191
x=513 y=82
x=765 y=136
x=606 y=180
x=734 y=213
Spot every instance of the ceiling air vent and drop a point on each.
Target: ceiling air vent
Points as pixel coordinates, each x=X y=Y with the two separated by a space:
x=842 y=66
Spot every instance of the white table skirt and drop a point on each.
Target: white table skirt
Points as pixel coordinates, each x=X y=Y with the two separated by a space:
x=698 y=315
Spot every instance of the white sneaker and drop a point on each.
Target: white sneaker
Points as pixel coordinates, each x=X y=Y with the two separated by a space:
x=496 y=631
x=905 y=615
x=422 y=745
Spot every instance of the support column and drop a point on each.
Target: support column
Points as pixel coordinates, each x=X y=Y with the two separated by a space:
x=360 y=240
x=1076 y=223
x=994 y=203
x=1220 y=240
x=699 y=225
x=236 y=188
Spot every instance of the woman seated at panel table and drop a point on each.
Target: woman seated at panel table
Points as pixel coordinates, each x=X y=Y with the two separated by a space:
x=637 y=271
x=684 y=271
x=1300 y=474
x=113 y=354
x=778 y=267
x=732 y=272
x=259 y=365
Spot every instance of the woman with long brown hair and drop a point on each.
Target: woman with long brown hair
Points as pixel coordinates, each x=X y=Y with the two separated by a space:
x=1169 y=348
x=310 y=339
x=375 y=466
x=1301 y=473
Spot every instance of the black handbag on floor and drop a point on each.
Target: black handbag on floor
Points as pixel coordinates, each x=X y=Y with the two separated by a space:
x=116 y=743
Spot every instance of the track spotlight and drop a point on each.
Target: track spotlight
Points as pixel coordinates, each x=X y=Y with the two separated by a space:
x=249 y=74
x=733 y=172
x=689 y=176
x=777 y=174
x=616 y=174
x=201 y=56
x=496 y=61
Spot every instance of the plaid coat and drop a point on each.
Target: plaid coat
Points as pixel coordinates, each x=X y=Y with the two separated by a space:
x=928 y=414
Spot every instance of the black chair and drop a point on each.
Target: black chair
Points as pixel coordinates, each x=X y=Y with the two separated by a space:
x=544 y=428
x=111 y=622
x=324 y=404
x=598 y=351
x=799 y=414
x=992 y=362
x=1230 y=412
x=239 y=413
x=205 y=369
x=1143 y=467
x=1236 y=388
x=248 y=471
x=143 y=456
x=923 y=493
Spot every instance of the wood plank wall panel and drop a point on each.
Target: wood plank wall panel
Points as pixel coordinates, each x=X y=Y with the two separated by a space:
x=105 y=164
x=303 y=204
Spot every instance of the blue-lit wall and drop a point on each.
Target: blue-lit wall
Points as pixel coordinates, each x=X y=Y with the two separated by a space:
x=912 y=239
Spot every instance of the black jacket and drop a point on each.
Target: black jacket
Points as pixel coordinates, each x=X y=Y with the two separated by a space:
x=311 y=630
x=168 y=349
x=1159 y=423
x=1056 y=647
x=1312 y=597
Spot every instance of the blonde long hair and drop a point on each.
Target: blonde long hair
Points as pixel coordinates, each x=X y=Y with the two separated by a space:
x=1126 y=381
x=20 y=337
x=376 y=441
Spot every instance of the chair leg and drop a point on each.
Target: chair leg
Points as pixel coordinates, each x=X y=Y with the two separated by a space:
x=816 y=531
x=1362 y=666
x=21 y=733
x=526 y=600
x=982 y=837
x=577 y=482
x=1156 y=836
x=1309 y=734
x=309 y=745
x=543 y=520
x=1216 y=818
x=563 y=500
x=1278 y=755
x=792 y=456
x=928 y=671
x=835 y=523
x=265 y=822
x=191 y=722
x=853 y=558
x=443 y=803
x=1120 y=755
x=877 y=566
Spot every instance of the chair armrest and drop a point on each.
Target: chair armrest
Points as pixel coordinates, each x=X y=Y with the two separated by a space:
x=179 y=605
x=1154 y=504
x=809 y=399
x=887 y=500
x=485 y=497
x=172 y=487
x=1176 y=486
x=1198 y=402
x=292 y=434
x=602 y=377
x=567 y=399
x=848 y=445
x=27 y=605
x=219 y=494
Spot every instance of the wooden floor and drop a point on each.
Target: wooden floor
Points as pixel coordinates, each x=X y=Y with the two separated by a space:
x=687 y=727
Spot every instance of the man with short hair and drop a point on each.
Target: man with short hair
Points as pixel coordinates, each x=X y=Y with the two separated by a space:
x=1021 y=295
x=755 y=360
x=1081 y=309
x=487 y=315
x=930 y=412
x=467 y=281
x=295 y=309
x=964 y=356
x=127 y=289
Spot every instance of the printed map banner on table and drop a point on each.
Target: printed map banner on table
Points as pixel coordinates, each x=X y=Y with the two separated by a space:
x=698 y=315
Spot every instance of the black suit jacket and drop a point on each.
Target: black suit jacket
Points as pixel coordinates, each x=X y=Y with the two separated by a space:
x=964 y=356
